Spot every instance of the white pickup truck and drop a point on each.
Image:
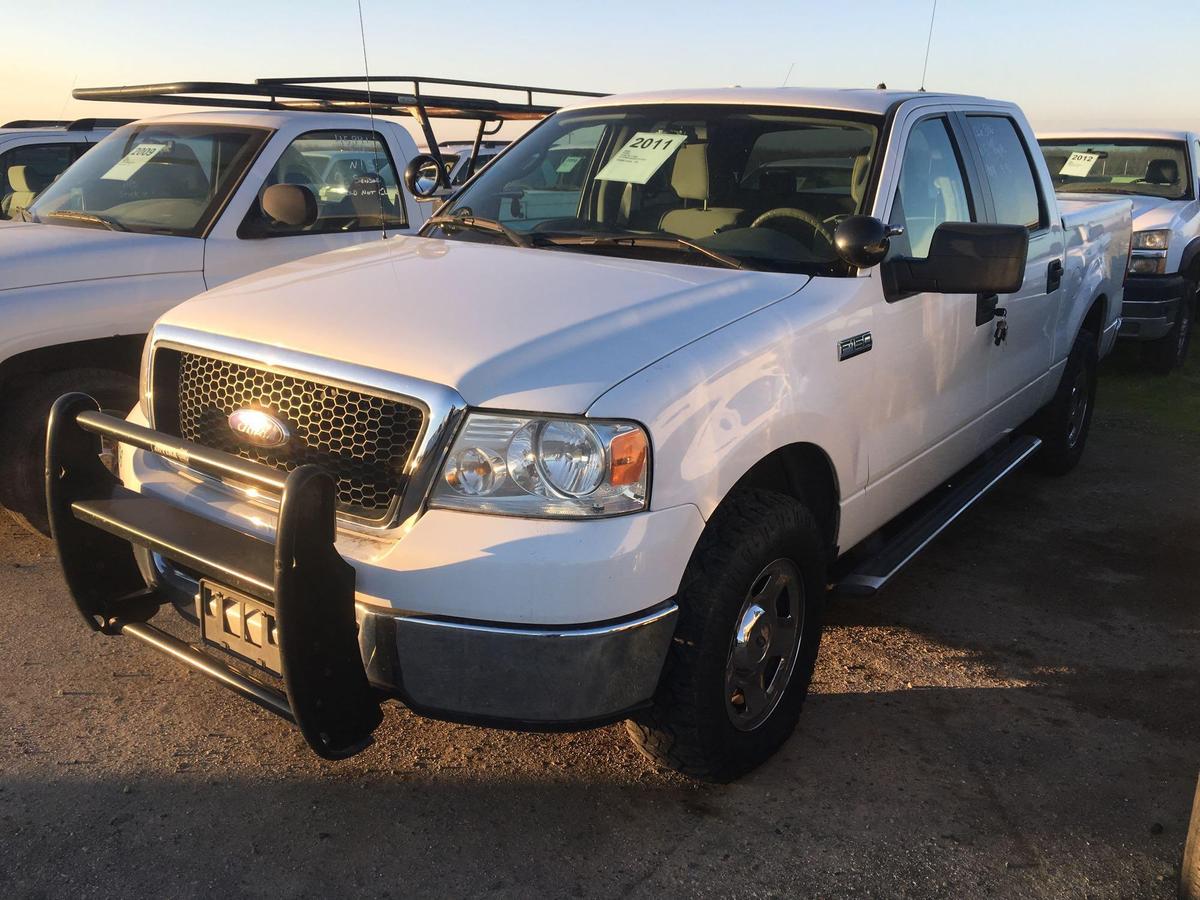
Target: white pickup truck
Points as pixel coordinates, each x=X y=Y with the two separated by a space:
x=611 y=471
x=1160 y=172
x=167 y=207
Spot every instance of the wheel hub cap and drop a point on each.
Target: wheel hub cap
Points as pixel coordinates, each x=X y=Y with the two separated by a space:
x=765 y=644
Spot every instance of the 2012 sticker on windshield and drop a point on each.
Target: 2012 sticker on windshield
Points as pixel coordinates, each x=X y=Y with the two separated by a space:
x=1078 y=164
x=642 y=156
x=128 y=165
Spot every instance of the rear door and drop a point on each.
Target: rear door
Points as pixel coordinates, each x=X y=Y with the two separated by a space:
x=1015 y=195
x=353 y=178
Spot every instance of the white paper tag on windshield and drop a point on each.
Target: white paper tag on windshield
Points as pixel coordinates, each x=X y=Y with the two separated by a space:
x=641 y=157
x=568 y=164
x=133 y=160
x=1079 y=164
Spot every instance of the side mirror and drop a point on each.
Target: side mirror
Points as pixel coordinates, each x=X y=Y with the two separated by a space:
x=424 y=178
x=863 y=241
x=290 y=204
x=965 y=258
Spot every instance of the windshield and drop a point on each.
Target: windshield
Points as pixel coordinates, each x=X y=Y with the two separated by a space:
x=167 y=178
x=1149 y=168
x=762 y=186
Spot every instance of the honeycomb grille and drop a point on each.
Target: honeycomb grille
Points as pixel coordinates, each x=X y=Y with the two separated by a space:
x=362 y=440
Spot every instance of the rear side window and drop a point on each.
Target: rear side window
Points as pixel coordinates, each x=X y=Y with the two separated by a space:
x=1009 y=171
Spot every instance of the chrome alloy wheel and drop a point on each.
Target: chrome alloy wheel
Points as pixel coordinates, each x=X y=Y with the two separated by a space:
x=1077 y=406
x=765 y=644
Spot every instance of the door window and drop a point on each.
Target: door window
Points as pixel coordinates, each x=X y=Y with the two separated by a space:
x=551 y=187
x=350 y=175
x=933 y=188
x=27 y=170
x=1009 y=171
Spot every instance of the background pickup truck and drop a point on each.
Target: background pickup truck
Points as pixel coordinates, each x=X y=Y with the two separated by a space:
x=1159 y=171
x=34 y=153
x=167 y=207
x=763 y=341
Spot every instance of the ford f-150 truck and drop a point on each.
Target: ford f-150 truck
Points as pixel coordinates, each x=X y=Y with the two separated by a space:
x=763 y=341
x=1159 y=171
x=167 y=207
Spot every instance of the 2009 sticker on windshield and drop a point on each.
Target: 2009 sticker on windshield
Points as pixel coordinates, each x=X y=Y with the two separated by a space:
x=132 y=161
x=642 y=156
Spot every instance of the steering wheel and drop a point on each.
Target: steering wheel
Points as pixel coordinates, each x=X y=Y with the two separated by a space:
x=819 y=228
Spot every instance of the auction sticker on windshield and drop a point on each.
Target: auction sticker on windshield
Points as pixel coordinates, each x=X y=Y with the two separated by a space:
x=132 y=161
x=641 y=157
x=1079 y=164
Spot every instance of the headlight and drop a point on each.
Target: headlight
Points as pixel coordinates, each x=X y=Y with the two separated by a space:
x=1151 y=240
x=541 y=466
x=144 y=379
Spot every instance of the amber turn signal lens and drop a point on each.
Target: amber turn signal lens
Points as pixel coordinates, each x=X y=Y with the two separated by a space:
x=628 y=454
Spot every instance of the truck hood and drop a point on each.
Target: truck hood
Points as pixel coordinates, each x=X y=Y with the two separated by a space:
x=33 y=255
x=507 y=328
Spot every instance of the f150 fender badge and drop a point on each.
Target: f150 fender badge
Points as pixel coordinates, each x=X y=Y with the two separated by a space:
x=853 y=346
x=258 y=427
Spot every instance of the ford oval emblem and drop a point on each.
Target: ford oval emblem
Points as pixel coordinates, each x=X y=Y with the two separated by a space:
x=259 y=428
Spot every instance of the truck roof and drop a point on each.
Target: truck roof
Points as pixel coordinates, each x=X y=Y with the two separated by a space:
x=1146 y=134
x=862 y=100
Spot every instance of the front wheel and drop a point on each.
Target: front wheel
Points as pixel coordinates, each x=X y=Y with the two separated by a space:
x=23 y=435
x=1065 y=423
x=739 y=667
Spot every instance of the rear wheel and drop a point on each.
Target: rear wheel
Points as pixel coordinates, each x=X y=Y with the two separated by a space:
x=1064 y=424
x=749 y=627
x=1168 y=353
x=23 y=435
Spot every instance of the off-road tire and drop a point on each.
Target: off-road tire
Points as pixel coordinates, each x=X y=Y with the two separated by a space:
x=1062 y=446
x=687 y=727
x=1189 y=870
x=1168 y=353
x=23 y=434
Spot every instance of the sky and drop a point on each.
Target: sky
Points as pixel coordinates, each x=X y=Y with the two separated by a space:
x=1068 y=65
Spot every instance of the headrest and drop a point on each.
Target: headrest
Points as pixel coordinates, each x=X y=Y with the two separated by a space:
x=1162 y=171
x=23 y=180
x=689 y=178
x=858 y=177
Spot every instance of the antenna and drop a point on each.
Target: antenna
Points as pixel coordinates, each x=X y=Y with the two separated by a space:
x=376 y=137
x=788 y=75
x=928 y=44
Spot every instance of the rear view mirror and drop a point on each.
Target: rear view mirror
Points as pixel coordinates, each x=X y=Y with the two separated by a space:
x=965 y=258
x=290 y=204
x=424 y=177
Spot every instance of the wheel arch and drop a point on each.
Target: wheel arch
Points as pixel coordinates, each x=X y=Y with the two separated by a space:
x=1097 y=314
x=805 y=472
x=121 y=353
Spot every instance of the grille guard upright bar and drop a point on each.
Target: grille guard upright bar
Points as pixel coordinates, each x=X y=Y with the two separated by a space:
x=95 y=521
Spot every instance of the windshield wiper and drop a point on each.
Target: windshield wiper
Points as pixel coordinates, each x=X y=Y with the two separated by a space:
x=75 y=215
x=638 y=240
x=477 y=223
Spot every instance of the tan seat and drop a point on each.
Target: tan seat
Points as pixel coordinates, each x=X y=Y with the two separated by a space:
x=24 y=186
x=690 y=181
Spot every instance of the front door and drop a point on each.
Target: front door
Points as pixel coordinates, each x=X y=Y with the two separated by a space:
x=352 y=180
x=932 y=359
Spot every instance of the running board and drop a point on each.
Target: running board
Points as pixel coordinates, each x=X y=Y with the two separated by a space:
x=872 y=574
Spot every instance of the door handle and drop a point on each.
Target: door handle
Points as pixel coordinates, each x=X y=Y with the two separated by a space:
x=985 y=308
x=1054 y=274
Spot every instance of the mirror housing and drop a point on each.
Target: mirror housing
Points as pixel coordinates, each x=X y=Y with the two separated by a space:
x=424 y=177
x=863 y=241
x=965 y=258
x=290 y=204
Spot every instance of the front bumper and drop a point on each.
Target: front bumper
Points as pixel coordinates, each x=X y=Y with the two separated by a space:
x=1151 y=305
x=125 y=555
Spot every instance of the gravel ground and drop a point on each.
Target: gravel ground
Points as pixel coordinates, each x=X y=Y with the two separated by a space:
x=1014 y=717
